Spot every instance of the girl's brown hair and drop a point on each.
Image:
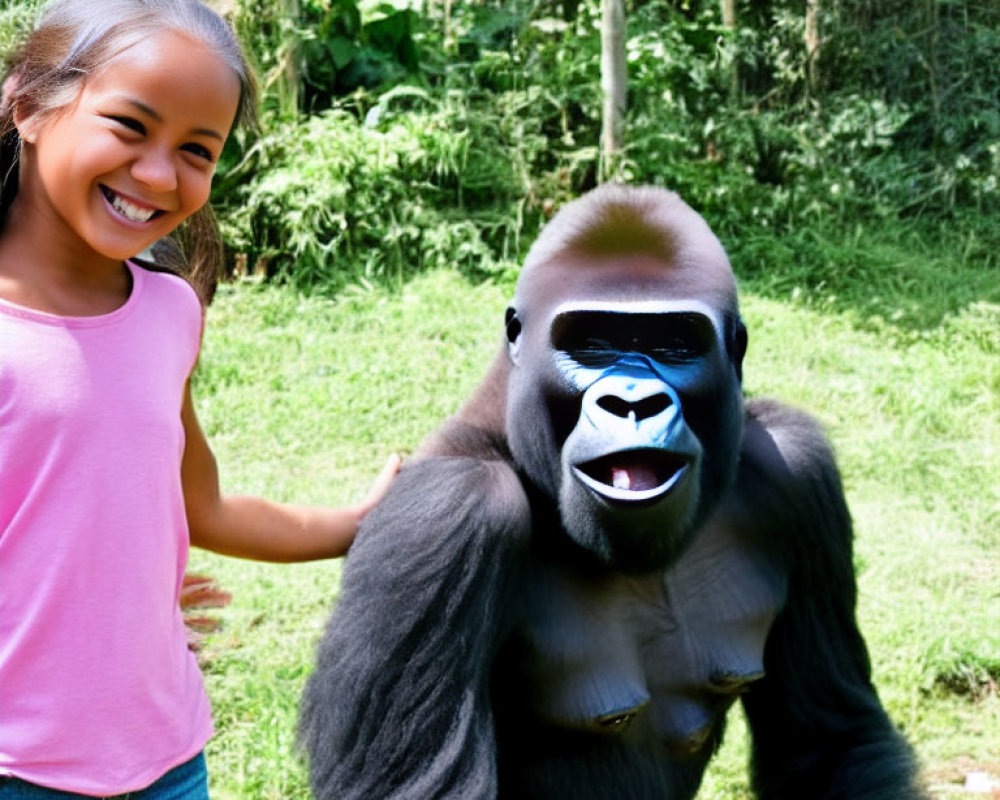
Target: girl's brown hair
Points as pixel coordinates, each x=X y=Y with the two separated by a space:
x=74 y=39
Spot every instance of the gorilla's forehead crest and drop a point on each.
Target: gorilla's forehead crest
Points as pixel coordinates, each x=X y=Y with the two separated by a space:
x=617 y=220
x=622 y=231
x=617 y=225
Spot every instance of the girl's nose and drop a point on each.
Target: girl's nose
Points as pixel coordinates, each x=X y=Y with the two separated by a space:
x=155 y=168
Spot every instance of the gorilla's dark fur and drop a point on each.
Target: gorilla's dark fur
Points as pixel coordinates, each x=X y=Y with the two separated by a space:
x=579 y=574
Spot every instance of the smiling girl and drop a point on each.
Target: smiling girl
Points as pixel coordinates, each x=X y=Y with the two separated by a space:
x=113 y=118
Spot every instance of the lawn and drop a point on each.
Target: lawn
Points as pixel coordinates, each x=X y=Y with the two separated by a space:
x=898 y=355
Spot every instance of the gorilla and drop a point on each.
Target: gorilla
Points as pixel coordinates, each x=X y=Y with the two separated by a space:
x=580 y=572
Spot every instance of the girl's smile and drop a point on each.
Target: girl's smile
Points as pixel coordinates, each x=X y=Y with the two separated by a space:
x=133 y=211
x=134 y=156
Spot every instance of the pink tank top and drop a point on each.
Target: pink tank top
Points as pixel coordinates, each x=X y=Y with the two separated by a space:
x=98 y=691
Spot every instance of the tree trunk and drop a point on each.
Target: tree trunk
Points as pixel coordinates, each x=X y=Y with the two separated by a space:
x=812 y=40
x=287 y=77
x=447 y=26
x=729 y=23
x=614 y=82
x=930 y=61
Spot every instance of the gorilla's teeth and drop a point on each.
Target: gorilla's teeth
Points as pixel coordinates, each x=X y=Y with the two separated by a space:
x=633 y=475
x=635 y=478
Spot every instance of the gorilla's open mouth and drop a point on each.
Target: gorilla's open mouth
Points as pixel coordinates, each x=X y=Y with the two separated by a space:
x=633 y=475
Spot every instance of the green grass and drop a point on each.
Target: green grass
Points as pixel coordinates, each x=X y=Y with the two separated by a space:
x=899 y=357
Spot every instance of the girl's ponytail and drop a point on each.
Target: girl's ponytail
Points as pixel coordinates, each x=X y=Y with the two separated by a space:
x=10 y=147
x=194 y=251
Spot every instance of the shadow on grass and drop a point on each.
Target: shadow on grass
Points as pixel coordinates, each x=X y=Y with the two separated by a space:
x=908 y=277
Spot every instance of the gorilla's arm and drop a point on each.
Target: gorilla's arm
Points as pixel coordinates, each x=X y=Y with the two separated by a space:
x=398 y=706
x=819 y=730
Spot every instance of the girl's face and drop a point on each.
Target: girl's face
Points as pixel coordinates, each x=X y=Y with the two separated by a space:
x=134 y=156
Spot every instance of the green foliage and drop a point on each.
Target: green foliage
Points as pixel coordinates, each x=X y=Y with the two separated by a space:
x=311 y=52
x=775 y=152
x=941 y=62
x=342 y=52
x=335 y=200
x=495 y=112
x=899 y=279
x=15 y=21
x=505 y=100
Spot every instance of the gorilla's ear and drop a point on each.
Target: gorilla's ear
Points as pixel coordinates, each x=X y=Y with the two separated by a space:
x=736 y=343
x=513 y=326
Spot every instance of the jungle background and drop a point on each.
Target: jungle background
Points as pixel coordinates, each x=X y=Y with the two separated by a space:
x=847 y=153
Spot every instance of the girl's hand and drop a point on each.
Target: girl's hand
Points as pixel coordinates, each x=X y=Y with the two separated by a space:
x=381 y=484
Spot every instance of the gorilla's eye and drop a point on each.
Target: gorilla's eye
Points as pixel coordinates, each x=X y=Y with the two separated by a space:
x=596 y=339
x=677 y=351
x=595 y=352
x=683 y=337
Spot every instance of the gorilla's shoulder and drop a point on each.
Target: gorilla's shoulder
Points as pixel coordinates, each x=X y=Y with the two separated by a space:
x=458 y=438
x=444 y=499
x=788 y=472
x=784 y=438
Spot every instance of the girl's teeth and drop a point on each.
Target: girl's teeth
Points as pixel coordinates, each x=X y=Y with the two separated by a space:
x=130 y=210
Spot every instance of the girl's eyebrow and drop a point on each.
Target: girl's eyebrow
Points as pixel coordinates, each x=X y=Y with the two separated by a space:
x=155 y=115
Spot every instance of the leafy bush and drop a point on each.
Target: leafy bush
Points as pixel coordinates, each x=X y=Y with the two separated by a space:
x=311 y=52
x=15 y=21
x=728 y=118
x=334 y=200
x=341 y=52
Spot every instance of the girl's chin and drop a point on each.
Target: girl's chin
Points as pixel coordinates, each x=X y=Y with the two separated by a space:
x=121 y=242
x=122 y=250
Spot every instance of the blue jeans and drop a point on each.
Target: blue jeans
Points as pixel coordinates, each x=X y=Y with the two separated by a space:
x=189 y=781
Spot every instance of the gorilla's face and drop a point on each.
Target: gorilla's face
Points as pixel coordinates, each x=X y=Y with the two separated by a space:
x=625 y=405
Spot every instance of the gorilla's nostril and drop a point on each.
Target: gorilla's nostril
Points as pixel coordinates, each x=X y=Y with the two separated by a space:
x=614 y=405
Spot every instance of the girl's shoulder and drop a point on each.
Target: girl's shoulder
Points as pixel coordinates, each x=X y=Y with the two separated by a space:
x=162 y=281
x=167 y=302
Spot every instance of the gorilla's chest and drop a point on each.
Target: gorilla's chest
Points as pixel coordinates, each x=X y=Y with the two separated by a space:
x=667 y=653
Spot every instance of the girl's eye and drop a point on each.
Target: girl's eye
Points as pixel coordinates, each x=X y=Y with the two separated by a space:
x=131 y=124
x=200 y=150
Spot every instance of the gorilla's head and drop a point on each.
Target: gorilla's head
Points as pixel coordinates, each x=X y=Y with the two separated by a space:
x=626 y=348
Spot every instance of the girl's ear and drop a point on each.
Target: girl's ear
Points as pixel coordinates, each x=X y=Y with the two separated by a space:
x=27 y=124
x=6 y=90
